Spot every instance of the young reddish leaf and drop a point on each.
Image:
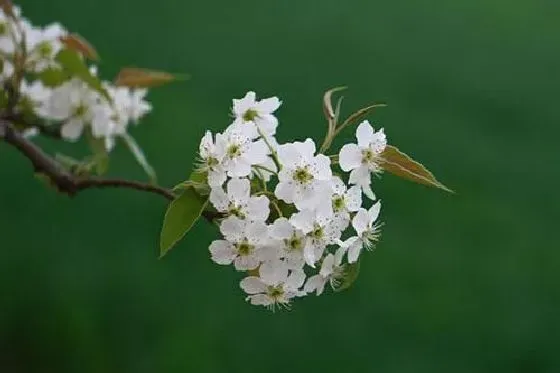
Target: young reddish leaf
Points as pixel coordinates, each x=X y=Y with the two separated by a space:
x=330 y=114
x=77 y=43
x=7 y=7
x=142 y=78
x=400 y=164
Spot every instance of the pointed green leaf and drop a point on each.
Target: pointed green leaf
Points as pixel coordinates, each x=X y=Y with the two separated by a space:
x=350 y=274
x=181 y=215
x=400 y=164
x=53 y=77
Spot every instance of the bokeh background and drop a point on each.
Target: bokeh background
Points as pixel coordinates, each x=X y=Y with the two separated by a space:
x=459 y=283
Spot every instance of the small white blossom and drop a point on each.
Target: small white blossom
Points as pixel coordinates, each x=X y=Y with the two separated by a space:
x=43 y=44
x=367 y=233
x=290 y=242
x=237 y=201
x=362 y=159
x=321 y=231
x=256 y=115
x=211 y=161
x=344 y=201
x=238 y=152
x=245 y=243
x=332 y=271
x=304 y=177
x=275 y=286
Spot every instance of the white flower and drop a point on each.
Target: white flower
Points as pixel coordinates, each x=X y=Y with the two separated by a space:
x=137 y=106
x=36 y=96
x=211 y=161
x=256 y=115
x=73 y=103
x=238 y=152
x=290 y=242
x=363 y=158
x=321 y=230
x=245 y=245
x=304 y=177
x=275 y=286
x=238 y=201
x=367 y=232
x=332 y=271
x=43 y=44
x=344 y=201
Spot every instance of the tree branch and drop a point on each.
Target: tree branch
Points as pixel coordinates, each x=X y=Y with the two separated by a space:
x=64 y=180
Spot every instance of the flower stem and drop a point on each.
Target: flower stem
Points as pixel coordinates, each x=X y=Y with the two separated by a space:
x=273 y=153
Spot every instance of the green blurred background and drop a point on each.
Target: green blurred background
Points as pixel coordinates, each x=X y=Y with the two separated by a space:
x=463 y=283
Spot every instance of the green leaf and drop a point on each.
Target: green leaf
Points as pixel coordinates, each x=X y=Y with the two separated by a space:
x=181 y=215
x=350 y=274
x=73 y=64
x=53 y=77
x=400 y=164
x=140 y=157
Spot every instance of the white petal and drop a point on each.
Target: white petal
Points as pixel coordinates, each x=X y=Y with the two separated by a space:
x=361 y=221
x=379 y=142
x=240 y=106
x=257 y=152
x=222 y=252
x=364 y=134
x=257 y=232
x=239 y=190
x=219 y=199
x=373 y=212
x=246 y=262
x=238 y=168
x=295 y=280
x=233 y=228
x=281 y=229
x=338 y=185
x=321 y=167
x=216 y=178
x=72 y=129
x=273 y=273
x=309 y=255
x=354 y=251
x=338 y=255
x=360 y=176
x=353 y=198
x=327 y=266
x=306 y=149
x=260 y=300
x=288 y=155
x=268 y=105
x=285 y=191
x=315 y=283
x=258 y=208
x=350 y=157
x=303 y=220
x=252 y=285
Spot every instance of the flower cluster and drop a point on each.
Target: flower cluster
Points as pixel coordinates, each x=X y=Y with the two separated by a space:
x=289 y=222
x=30 y=64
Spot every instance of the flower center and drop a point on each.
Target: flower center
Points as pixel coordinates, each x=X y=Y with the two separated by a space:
x=368 y=156
x=338 y=203
x=294 y=244
x=235 y=210
x=80 y=110
x=3 y=28
x=234 y=150
x=244 y=248
x=302 y=175
x=275 y=292
x=250 y=115
x=44 y=49
x=211 y=162
x=317 y=233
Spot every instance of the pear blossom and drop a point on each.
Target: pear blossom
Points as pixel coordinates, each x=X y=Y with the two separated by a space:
x=238 y=152
x=290 y=242
x=43 y=44
x=305 y=177
x=344 y=201
x=256 y=115
x=237 y=201
x=320 y=229
x=211 y=161
x=244 y=245
x=362 y=159
x=367 y=233
x=275 y=285
x=332 y=271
